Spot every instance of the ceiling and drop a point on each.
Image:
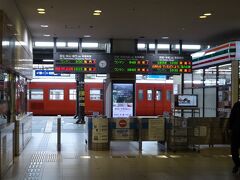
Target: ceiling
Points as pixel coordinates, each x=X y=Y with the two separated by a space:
x=131 y=19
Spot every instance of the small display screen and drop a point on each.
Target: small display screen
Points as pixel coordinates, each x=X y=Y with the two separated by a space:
x=186 y=101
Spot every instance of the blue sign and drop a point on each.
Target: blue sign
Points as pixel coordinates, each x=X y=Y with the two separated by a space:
x=46 y=73
x=158 y=77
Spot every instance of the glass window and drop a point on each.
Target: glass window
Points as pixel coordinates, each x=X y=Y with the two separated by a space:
x=187 y=80
x=224 y=74
x=72 y=94
x=149 y=95
x=158 y=95
x=198 y=78
x=56 y=94
x=140 y=94
x=35 y=94
x=199 y=92
x=210 y=76
x=95 y=94
x=169 y=94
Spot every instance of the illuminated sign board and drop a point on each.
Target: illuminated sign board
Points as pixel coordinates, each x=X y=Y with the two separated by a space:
x=76 y=63
x=171 y=67
x=129 y=64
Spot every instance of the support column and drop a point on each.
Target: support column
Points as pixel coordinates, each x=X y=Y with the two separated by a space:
x=108 y=97
x=80 y=92
x=235 y=83
x=12 y=84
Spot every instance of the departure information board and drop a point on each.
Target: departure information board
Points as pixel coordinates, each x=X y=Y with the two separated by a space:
x=129 y=64
x=76 y=63
x=80 y=63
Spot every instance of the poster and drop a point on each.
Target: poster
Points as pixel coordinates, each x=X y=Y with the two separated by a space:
x=100 y=130
x=156 y=129
x=122 y=100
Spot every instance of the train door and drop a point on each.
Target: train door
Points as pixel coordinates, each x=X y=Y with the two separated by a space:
x=158 y=100
x=149 y=100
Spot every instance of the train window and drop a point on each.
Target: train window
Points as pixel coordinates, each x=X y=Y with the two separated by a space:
x=158 y=95
x=95 y=95
x=149 y=95
x=72 y=94
x=35 y=94
x=56 y=94
x=140 y=94
x=169 y=94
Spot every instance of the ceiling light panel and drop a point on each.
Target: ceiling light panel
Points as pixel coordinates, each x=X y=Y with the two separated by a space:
x=97 y=11
x=207 y=14
x=41 y=12
x=202 y=17
x=96 y=14
x=40 y=9
x=44 y=26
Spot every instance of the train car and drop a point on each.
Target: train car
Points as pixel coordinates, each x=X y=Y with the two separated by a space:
x=53 y=98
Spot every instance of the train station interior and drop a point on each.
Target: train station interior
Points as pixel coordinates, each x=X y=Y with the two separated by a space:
x=100 y=89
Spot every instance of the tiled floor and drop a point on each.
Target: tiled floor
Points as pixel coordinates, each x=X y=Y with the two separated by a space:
x=40 y=160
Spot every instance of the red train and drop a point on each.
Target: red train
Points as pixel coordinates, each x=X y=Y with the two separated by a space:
x=53 y=98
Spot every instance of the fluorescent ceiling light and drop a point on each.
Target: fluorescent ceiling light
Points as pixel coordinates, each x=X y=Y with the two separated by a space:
x=98 y=11
x=61 y=44
x=72 y=44
x=43 y=44
x=89 y=45
x=41 y=9
x=163 y=46
x=207 y=14
x=96 y=14
x=44 y=25
x=189 y=47
x=202 y=17
x=141 y=46
x=46 y=35
x=41 y=12
x=165 y=37
x=48 y=60
x=87 y=36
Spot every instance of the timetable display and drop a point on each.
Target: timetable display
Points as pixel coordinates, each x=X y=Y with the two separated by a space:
x=76 y=63
x=129 y=64
x=171 y=67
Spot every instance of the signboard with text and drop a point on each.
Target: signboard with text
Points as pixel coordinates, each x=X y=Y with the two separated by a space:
x=76 y=63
